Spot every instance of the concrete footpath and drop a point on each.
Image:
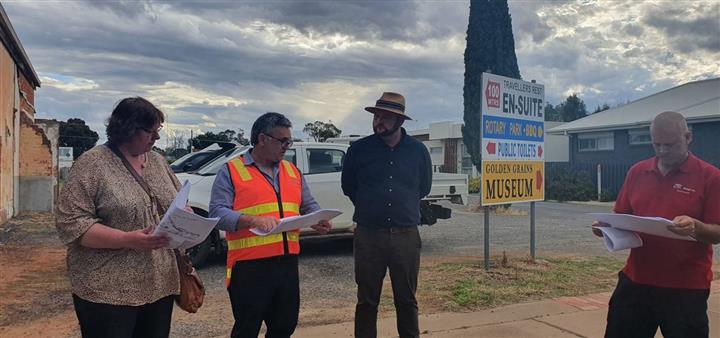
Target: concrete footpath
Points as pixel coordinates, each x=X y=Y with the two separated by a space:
x=562 y=317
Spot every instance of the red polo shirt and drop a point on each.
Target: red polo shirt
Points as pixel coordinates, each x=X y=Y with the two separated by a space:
x=692 y=190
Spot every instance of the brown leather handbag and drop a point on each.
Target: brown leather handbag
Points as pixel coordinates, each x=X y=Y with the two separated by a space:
x=192 y=290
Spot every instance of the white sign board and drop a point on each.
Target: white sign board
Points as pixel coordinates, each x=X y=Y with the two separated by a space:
x=513 y=138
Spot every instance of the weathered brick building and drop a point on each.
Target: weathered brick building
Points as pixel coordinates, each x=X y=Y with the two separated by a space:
x=28 y=161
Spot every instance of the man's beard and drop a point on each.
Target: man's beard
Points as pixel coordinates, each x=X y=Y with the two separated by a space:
x=388 y=132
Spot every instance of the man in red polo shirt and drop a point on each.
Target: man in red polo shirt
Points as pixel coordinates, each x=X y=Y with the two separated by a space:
x=666 y=282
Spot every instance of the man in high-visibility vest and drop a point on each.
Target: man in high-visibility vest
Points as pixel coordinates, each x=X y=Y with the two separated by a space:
x=256 y=190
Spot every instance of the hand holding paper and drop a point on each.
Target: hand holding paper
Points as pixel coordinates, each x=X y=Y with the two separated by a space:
x=184 y=229
x=618 y=236
x=297 y=222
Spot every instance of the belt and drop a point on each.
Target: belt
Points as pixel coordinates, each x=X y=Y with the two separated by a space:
x=391 y=230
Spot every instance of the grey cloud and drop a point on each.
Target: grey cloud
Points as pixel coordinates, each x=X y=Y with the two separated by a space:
x=701 y=31
x=123 y=8
x=527 y=23
x=385 y=20
x=633 y=30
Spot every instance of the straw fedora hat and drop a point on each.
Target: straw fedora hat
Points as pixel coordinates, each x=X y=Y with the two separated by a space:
x=390 y=102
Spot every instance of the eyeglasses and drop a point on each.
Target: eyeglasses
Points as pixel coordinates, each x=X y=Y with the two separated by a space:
x=287 y=143
x=150 y=131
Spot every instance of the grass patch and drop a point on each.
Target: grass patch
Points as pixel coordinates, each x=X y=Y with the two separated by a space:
x=466 y=286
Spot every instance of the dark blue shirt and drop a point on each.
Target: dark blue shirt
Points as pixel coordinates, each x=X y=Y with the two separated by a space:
x=386 y=184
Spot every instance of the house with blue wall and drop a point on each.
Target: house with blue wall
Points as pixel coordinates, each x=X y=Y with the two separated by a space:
x=619 y=137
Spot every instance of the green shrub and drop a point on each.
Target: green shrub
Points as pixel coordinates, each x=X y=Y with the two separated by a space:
x=569 y=186
x=607 y=196
x=474 y=185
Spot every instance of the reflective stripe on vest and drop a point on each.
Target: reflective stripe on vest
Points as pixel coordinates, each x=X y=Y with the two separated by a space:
x=267 y=208
x=255 y=196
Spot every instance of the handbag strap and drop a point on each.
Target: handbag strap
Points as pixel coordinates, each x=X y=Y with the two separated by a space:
x=136 y=176
x=132 y=170
x=143 y=184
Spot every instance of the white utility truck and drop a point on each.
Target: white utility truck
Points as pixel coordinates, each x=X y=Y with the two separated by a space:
x=321 y=165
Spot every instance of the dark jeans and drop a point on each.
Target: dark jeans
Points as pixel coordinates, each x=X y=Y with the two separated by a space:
x=636 y=311
x=122 y=321
x=376 y=251
x=265 y=290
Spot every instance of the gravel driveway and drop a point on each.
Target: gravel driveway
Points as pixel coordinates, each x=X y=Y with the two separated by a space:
x=326 y=266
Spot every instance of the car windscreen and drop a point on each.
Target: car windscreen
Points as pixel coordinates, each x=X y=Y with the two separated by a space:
x=182 y=159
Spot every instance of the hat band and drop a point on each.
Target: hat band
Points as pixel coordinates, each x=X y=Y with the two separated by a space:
x=389 y=104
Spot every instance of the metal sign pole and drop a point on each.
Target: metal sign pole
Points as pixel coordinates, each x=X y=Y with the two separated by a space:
x=532 y=230
x=486 y=211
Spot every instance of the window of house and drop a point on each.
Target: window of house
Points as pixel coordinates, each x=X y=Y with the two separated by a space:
x=596 y=141
x=639 y=136
x=436 y=150
x=325 y=160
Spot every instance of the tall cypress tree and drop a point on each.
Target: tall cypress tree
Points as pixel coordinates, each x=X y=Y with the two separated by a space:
x=490 y=47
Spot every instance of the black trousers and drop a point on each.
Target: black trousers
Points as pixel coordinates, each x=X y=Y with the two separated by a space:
x=265 y=290
x=376 y=251
x=636 y=311
x=122 y=321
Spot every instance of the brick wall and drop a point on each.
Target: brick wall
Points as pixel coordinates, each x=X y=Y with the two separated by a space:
x=35 y=152
x=27 y=96
x=451 y=156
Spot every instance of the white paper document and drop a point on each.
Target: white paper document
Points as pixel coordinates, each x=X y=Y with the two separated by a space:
x=184 y=228
x=656 y=226
x=297 y=222
x=617 y=239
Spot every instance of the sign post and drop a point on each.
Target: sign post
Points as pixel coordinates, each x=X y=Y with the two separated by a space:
x=513 y=138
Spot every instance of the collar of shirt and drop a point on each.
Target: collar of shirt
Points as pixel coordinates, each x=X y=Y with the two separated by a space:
x=685 y=168
x=249 y=160
x=403 y=139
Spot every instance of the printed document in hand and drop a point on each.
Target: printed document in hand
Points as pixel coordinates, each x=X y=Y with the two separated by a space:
x=297 y=222
x=656 y=226
x=617 y=239
x=184 y=228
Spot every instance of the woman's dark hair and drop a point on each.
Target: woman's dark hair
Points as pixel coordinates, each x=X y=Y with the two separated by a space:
x=266 y=123
x=130 y=115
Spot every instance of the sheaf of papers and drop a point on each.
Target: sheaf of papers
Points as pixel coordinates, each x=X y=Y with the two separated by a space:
x=185 y=229
x=656 y=226
x=297 y=222
x=617 y=239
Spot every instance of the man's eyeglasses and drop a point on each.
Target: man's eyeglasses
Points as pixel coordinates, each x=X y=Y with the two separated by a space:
x=287 y=143
x=150 y=131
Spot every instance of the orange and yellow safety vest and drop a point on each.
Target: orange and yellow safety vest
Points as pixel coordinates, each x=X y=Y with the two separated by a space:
x=255 y=196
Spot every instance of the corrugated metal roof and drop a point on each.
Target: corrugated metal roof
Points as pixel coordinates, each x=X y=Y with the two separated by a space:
x=698 y=101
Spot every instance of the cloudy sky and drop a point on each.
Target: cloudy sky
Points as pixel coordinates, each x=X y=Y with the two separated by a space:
x=214 y=65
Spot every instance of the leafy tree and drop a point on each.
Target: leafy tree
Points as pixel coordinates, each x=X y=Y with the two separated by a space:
x=240 y=138
x=551 y=114
x=604 y=107
x=490 y=47
x=572 y=109
x=321 y=131
x=203 y=140
x=76 y=134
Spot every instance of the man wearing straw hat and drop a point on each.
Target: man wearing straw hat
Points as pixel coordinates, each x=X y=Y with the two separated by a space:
x=386 y=175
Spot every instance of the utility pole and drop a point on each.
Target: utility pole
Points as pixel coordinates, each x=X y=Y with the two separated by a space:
x=191 y=138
